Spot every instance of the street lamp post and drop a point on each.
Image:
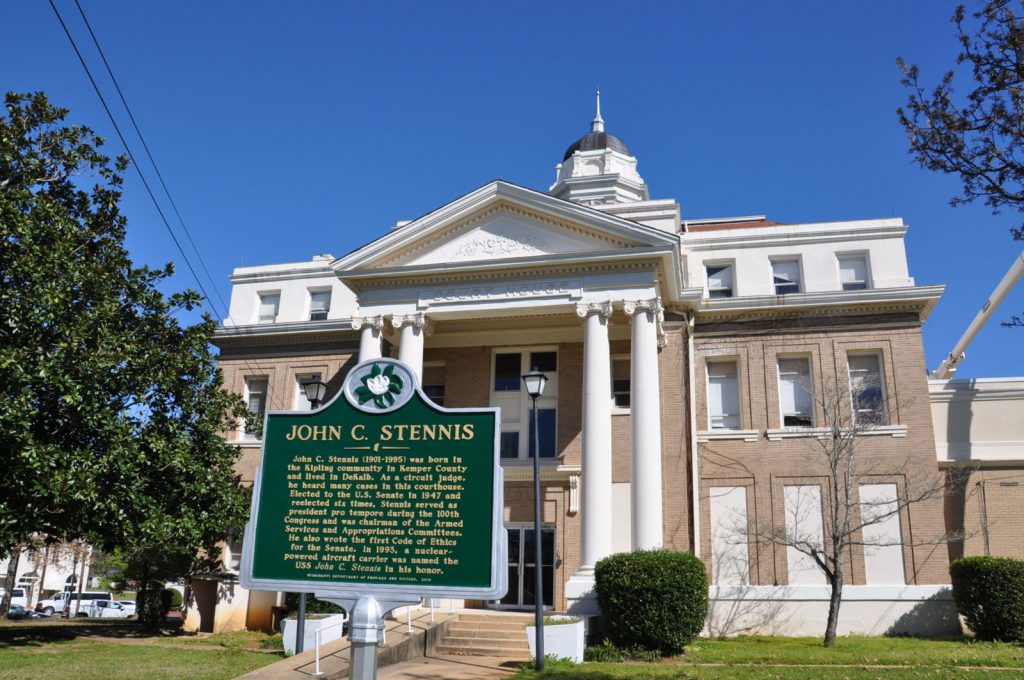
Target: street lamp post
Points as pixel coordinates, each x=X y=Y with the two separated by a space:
x=535 y=382
x=315 y=391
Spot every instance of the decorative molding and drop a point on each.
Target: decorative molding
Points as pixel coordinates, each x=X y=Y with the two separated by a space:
x=777 y=435
x=716 y=435
x=574 y=494
x=498 y=244
x=375 y=322
x=522 y=471
x=583 y=310
x=418 y=320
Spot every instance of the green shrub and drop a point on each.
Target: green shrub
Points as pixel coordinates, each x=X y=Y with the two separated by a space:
x=989 y=594
x=655 y=599
x=176 y=598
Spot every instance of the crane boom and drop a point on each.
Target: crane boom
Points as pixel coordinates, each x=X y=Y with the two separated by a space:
x=948 y=366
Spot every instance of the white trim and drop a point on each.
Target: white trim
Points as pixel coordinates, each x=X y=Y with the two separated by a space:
x=775 y=435
x=705 y=436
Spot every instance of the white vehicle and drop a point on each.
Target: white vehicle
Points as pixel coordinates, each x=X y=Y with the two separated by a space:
x=105 y=609
x=129 y=606
x=56 y=603
x=19 y=596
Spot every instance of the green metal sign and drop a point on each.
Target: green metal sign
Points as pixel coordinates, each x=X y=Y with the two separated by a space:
x=380 y=491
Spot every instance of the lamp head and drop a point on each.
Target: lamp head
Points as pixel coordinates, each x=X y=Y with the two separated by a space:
x=314 y=390
x=535 y=382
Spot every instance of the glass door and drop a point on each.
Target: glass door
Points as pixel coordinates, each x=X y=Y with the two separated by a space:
x=522 y=568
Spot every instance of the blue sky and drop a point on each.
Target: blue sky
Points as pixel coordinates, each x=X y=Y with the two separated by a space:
x=287 y=129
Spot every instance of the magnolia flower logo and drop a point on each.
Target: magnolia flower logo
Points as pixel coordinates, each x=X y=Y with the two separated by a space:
x=379 y=386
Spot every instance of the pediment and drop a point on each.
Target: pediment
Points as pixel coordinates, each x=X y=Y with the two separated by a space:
x=502 y=221
x=504 y=231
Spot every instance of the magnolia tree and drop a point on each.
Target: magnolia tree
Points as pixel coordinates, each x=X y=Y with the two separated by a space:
x=112 y=409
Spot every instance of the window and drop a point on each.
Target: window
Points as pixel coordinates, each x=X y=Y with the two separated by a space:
x=867 y=390
x=433 y=383
x=269 y=303
x=719 y=280
x=853 y=272
x=233 y=554
x=256 y=397
x=301 y=403
x=319 y=304
x=509 y=394
x=794 y=392
x=723 y=395
x=786 y=276
x=620 y=381
x=507 y=372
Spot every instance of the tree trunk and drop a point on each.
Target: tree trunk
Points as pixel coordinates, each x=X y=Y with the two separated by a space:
x=835 y=600
x=37 y=592
x=10 y=579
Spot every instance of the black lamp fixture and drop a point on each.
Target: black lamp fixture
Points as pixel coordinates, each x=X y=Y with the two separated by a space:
x=315 y=391
x=535 y=382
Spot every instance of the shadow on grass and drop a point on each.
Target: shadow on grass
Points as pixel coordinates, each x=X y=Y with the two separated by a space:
x=34 y=632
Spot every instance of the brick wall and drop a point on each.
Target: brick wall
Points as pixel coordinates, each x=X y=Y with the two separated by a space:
x=765 y=467
x=984 y=512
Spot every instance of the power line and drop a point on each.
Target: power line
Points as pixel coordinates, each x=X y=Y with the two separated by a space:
x=152 y=160
x=128 y=150
x=206 y=296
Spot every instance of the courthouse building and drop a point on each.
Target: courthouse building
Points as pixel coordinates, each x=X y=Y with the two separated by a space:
x=682 y=355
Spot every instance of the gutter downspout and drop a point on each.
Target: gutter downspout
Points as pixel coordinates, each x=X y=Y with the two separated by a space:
x=694 y=458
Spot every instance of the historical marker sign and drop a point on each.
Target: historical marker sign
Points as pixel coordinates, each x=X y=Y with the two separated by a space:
x=378 y=492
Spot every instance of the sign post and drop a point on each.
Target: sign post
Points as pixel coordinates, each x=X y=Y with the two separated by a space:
x=376 y=500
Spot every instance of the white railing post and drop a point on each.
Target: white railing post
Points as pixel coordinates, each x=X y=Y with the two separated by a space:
x=316 y=641
x=408 y=619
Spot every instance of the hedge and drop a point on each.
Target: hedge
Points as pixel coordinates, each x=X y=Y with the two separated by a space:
x=989 y=594
x=656 y=599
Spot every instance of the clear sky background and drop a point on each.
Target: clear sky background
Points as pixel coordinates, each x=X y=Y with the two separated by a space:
x=291 y=128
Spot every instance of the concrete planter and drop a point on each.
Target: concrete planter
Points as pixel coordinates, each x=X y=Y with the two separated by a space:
x=562 y=641
x=331 y=625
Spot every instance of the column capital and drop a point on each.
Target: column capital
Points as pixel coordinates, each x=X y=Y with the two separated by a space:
x=375 y=322
x=418 y=320
x=633 y=307
x=583 y=310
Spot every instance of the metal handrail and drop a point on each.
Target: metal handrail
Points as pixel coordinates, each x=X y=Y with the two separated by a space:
x=316 y=638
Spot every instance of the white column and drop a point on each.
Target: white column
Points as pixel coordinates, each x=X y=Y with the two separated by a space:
x=410 y=349
x=645 y=405
x=369 y=337
x=596 y=478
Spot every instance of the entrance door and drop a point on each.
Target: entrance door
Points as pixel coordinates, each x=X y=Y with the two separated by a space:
x=522 y=568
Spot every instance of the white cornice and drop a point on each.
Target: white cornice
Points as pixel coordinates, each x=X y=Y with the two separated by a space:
x=302 y=328
x=793 y=234
x=922 y=298
x=285 y=273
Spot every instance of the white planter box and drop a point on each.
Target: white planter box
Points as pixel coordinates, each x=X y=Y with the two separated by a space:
x=331 y=625
x=564 y=641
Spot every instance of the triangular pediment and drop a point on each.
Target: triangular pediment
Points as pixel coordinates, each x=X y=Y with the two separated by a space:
x=502 y=221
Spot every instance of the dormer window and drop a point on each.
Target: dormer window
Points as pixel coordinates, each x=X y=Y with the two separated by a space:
x=719 y=280
x=319 y=304
x=269 y=302
x=853 y=272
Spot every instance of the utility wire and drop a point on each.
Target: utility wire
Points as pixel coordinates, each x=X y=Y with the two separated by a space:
x=206 y=296
x=152 y=160
x=128 y=150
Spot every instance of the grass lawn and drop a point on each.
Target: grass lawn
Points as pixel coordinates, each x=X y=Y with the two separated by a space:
x=97 y=650
x=806 y=659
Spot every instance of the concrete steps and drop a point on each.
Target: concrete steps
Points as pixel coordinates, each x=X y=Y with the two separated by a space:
x=488 y=634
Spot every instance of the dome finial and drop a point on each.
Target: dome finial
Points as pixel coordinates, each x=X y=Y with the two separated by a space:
x=598 y=123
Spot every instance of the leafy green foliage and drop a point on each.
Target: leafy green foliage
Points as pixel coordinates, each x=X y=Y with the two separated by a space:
x=112 y=410
x=989 y=594
x=655 y=599
x=313 y=605
x=608 y=653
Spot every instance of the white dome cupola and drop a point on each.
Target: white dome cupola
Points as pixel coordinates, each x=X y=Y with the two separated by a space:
x=597 y=169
